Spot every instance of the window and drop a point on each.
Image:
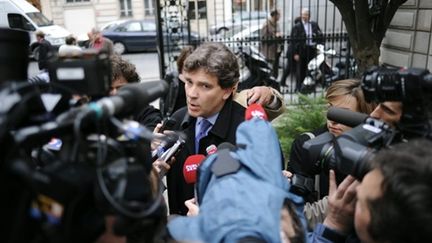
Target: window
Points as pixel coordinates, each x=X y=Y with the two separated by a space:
x=76 y=1
x=197 y=9
x=149 y=27
x=133 y=27
x=125 y=8
x=148 y=7
x=17 y=21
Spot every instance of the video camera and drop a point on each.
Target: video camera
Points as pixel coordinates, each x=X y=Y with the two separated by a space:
x=350 y=152
x=101 y=165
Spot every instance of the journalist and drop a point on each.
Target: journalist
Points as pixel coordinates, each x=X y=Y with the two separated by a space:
x=345 y=94
x=124 y=72
x=391 y=204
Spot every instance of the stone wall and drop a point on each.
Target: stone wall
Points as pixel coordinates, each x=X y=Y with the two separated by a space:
x=408 y=41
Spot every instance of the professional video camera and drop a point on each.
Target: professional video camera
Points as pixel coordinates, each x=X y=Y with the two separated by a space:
x=101 y=165
x=350 y=152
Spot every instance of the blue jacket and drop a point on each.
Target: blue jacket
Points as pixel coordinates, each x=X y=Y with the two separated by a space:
x=246 y=202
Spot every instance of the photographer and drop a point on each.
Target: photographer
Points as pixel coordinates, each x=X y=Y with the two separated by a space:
x=391 y=204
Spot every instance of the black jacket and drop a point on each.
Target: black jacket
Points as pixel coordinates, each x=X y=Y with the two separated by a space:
x=224 y=130
x=299 y=36
x=45 y=50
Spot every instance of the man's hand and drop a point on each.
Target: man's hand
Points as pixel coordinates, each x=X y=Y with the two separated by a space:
x=342 y=199
x=296 y=57
x=161 y=167
x=193 y=208
x=262 y=95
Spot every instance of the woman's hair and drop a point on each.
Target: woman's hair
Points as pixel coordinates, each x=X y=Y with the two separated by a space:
x=350 y=87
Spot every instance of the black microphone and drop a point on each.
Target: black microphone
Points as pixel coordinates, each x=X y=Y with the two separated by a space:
x=129 y=98
x=346 y=117
x=226 y=145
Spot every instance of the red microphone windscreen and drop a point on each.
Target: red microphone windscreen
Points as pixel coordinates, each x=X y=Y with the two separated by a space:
x=255 y=110
x=190 y=167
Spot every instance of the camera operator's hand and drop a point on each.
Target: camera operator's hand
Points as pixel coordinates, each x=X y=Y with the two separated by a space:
x=287 y=174
x=342 y=199
x=193 y=209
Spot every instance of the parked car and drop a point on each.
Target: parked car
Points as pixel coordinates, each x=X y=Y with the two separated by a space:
x=249 y=36
x=242 y=18
x=141 y=35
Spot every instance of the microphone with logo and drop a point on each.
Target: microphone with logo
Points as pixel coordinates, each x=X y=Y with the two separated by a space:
x=190 y=167
x=255 y=111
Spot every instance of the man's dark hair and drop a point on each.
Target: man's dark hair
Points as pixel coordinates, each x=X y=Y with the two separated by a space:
x=70 y=40
x=121 y=67
x=215 y=59
x=184 y=53
x=404 y=211
x=274 y=13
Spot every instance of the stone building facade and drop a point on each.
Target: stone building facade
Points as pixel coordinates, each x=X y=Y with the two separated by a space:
x=408 y=41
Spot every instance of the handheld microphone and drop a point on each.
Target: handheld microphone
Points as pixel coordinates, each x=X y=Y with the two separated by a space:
x=166 y=144
x=255 y=110
x=129 y=98
x=226 y=145
x=190 y=167
x=346 y=117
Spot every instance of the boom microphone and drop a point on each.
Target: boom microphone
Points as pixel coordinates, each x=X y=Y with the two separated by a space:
x=255 y=110
x=346 y=117
x=129 y=98
x=190 y=167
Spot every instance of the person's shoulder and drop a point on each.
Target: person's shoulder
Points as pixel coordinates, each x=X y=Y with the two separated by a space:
x=181 y=116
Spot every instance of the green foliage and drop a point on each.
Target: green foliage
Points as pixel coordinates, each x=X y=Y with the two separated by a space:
x=306 y=116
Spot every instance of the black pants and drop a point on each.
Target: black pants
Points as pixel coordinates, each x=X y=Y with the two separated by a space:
x=301 y=67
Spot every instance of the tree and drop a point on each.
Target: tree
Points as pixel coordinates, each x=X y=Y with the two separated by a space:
x=366 y=23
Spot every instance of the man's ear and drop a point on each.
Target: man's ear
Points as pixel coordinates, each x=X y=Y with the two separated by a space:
x=228 y=92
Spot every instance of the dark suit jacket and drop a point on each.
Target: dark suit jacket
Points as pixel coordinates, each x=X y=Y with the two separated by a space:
x=45 y=49
x=299 y=36
x=224 y=130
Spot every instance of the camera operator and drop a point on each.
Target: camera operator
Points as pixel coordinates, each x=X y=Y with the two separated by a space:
x=345 y=94
x=388 y=111
x=391 y=204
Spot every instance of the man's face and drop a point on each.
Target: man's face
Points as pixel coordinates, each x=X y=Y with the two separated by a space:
x=369 y=189
x=204 y=96
x=305 y=16
x=389 y=111
x=117 y=84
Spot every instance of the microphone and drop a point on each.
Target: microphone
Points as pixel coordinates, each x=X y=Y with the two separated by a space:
x=211 y=149
x=190 y=167
x=255 y=110
x=129 y=98
x=226 y=145
x=346 y=117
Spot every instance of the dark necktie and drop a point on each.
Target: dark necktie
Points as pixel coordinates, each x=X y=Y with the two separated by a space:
x=205 y=125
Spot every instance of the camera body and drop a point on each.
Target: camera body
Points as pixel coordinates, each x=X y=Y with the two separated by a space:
x=89 y=74
x=350 y=152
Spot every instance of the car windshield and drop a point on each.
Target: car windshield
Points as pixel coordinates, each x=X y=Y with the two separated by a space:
x=39 y=19
x=248 y=16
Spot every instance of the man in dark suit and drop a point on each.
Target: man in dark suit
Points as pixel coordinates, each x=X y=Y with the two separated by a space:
x=306 y=34
x=210 y=74
x=45 y=50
